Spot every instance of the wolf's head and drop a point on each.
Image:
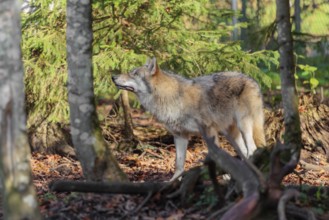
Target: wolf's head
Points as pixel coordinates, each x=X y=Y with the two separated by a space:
x=138 y=80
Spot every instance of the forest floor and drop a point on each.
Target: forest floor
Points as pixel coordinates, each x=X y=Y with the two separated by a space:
x=152 y=160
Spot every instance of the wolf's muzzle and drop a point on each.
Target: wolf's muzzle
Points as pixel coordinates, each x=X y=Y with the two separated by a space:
x=114 y=78
x=119 y=86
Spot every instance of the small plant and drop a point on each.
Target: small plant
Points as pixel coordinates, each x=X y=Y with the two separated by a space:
x=308 y=76
x=49 y=196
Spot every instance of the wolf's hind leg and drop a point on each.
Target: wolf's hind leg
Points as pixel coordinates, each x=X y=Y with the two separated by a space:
x=181 y=147
x=246 y=128
x=234 y=136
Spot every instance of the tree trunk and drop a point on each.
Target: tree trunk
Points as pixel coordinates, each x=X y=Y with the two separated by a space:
x=244 y=19
x=128 y=133
x=51 y=138
x=96 y=160
x=292 y=135
x=19 y=197
x=258 y=11
x=235 y=19
x=297 y=19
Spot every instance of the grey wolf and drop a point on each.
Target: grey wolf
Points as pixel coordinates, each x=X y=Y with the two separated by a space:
x=229 y=102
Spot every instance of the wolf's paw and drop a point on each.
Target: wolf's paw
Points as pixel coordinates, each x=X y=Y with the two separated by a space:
x=177 y=176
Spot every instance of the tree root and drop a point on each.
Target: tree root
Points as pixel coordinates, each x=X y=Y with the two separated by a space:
x=217 y=214
x=300 y=213
x=255 y=197
x=187 y=185
x=287 y=196
x=220 y=191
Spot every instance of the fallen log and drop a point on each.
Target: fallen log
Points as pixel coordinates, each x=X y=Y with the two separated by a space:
x=108 y=187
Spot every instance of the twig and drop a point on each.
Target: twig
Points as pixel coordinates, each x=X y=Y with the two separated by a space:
x=309 y=166
x=170 y=203
x=152 y=153
x=287 y=195
x=148 y=197
x=113 y=138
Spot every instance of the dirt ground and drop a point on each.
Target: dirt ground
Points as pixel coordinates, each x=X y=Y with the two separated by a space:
x=152 y=160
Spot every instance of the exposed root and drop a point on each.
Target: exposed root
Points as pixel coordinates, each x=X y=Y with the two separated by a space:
x=187 y=185
x=287 y=196
x=278 y=168
x=220 y=191
x=300 y=213
x=245 y=209
x=219 y=213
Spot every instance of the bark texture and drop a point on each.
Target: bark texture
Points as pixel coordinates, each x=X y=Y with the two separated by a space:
x=19 y=197
x=292 y=135
x=297 y=19
x=314 y=124
x=96 y=160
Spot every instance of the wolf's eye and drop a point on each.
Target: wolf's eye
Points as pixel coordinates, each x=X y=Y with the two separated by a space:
x=132 y=73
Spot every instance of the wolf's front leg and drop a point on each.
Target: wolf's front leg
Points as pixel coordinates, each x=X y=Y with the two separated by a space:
x=181 y=147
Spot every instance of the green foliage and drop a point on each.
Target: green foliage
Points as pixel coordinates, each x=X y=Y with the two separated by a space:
x=311 y=42
x=307 y=75
x=315 y=197
x=187 y=37
x=43 y=46
x=208 y=197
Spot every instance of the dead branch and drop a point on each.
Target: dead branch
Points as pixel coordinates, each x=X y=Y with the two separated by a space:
x=213 y=177
x=238 y=169
x=241 y=172
x=245 y=209
x=101 y=187
x=278 y=170
x=286 y=197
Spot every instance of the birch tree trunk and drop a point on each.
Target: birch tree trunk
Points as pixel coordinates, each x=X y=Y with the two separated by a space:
x=19 y=197
x=292 y=136
x=96 y=160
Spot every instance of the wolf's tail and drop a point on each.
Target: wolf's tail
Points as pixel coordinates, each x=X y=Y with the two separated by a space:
x=258 y=131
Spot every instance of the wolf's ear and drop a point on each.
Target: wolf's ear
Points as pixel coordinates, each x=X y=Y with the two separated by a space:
x=148 y=62
x=152 y=65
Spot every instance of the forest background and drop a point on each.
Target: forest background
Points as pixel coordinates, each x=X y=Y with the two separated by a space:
x=189 y=38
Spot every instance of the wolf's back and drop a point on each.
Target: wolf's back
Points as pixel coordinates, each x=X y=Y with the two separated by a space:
x=234 y=93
